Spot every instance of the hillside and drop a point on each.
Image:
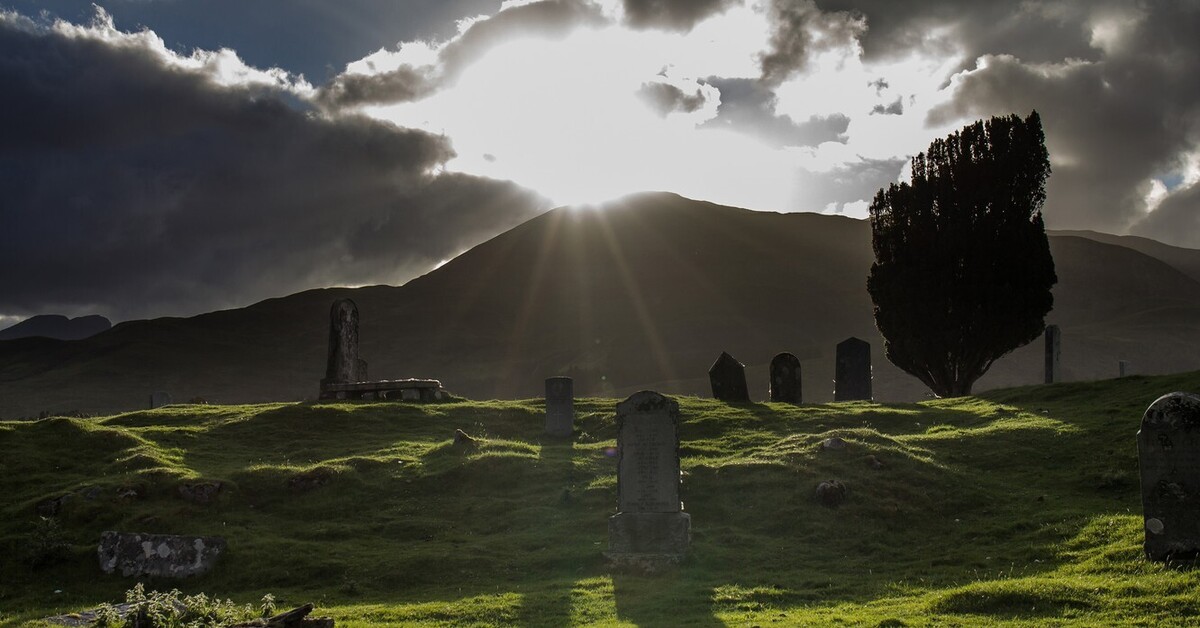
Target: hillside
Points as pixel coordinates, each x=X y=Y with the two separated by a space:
x=57 y=327
x=643 y=293
x=1020 y=506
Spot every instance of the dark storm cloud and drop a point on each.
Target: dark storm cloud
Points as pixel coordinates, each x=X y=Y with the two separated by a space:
x=132 y=187
x=801 y=29
x=680 y=15
x=548 y=19
x=314 y=38
x=748 y=106
x=1111 y=124
x=665 y=98
x=1036 y=31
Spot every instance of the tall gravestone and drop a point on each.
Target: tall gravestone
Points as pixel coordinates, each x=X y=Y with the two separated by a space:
x=1122 y=368
x=852 y=372
x=1169 y=459
x=728 y=379
x=560 y=406
x=650 y=529
x=343 y=365
x=1053 y=350
x=785 y=379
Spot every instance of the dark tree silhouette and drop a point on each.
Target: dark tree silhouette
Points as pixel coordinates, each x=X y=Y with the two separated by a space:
x=963 y=271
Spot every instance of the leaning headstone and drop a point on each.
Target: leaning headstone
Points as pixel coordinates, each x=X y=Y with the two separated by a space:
x=785 y=379
x=1169 y=458
x=852 y=372
x=728 y=379
x=159 y=399
x=343 y=364
x=1122 y=368
x=560 y=406
x=1053 y=349
x=158 y=555
x=650 y=530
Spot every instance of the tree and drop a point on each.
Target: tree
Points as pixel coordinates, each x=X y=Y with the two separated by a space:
x=963 y=271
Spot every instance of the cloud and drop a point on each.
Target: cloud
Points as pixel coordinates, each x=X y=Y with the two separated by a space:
x=665 y=98
x=748 y=106
x=802 y=29
x=1113 y=124
x=546 y=19
x=680 y=15
x=138 y=182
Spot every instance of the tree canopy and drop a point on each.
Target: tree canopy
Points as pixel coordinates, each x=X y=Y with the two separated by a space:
x=963 y=270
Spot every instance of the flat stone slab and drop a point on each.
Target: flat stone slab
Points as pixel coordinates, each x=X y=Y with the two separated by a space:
x=407 y=389
x=159 y=555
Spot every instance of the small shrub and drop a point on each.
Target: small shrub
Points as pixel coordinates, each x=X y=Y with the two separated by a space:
x=175 y=610
x=47 y=544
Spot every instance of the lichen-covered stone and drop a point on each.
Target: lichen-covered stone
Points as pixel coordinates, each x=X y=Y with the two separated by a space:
x=158 y=555
x=1169 y=457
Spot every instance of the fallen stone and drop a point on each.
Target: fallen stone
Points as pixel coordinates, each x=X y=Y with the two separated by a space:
x=200 y=492
x=160 y=555
x=52 y=506
x=309 y=480
x=874 y=462
x=831 y=493
x=295 y=618
x=462 y=438
x=833 y=442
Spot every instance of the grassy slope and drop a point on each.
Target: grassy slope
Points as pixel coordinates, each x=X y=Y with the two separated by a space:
x=1020 y=507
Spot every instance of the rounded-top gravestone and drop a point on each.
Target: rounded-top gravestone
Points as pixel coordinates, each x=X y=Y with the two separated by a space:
x=1169 y=459
x=852 y=371
x=785 y=379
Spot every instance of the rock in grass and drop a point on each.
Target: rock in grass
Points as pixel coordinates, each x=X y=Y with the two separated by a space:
x=160 y=555
x=200 y=492
x=462 y=438
x=874 y=462
x=831 y=493
x=833 y=442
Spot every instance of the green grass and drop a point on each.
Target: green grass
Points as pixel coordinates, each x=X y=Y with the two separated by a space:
x=1020 y=507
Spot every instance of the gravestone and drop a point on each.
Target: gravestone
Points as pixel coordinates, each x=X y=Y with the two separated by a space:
x=728 y=379
x=785 y=379
x=158 y=555
x=343 y=364
x=560 y=406
x=159 y=399
x=1122 y=368
x=650 y=530
x=1169 y=459
x=1053 y=349
x=852 y=371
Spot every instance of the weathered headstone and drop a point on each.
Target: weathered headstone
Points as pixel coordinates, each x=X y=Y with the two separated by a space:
x=560 y=406
x=852 y=372
x=728 y=379
x=650 y=529
x=158 y=555
x=159 y=399
x=1122 y=368
x=785 y=379
x=1053 y=349
x=343 y=364
x=1169 y=458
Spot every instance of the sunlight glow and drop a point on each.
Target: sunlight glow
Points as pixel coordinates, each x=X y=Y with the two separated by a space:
x=566 y=119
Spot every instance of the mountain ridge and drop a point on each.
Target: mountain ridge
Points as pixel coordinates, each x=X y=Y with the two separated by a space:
x=642 y=293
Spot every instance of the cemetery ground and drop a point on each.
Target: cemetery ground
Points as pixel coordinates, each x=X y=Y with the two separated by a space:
x=1015 y=507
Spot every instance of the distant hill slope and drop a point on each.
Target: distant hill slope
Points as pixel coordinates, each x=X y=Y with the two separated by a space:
x=644 y=293
x=57 y=327
x=1185 y=260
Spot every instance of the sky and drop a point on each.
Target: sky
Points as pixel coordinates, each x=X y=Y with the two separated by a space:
x=172 y=157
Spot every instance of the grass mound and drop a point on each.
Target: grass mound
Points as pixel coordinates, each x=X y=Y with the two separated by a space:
x=1018 y=507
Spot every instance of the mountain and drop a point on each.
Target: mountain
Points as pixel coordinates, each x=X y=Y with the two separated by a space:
x=1186 y=261
x=56 y=326
x=644 y=292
